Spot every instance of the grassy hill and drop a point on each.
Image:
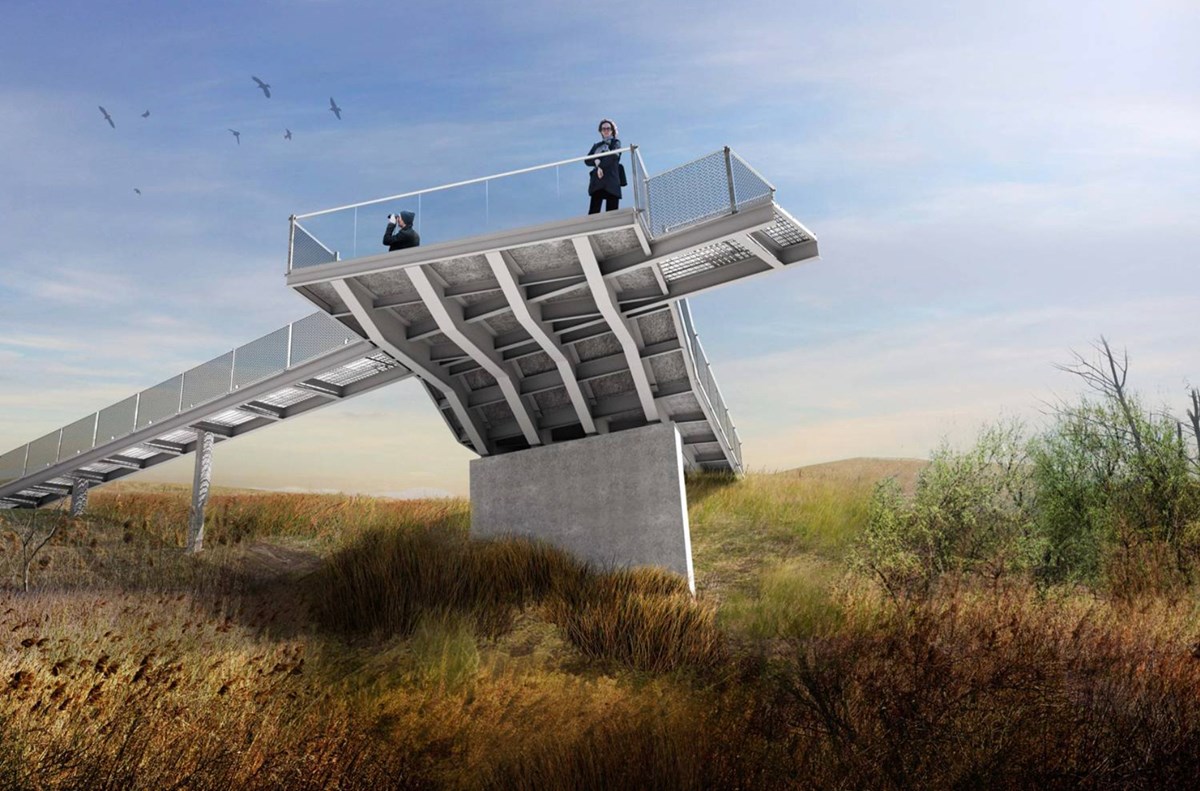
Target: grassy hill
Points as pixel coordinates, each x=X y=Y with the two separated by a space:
x=327 y=641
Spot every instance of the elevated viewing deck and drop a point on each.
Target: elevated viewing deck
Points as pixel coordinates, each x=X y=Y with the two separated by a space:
x=546 y=327
x=566 y=328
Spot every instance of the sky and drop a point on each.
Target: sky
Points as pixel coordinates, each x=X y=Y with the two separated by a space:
x=994 y=185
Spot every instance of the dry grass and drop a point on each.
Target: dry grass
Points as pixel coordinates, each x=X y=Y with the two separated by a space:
x=335 y=642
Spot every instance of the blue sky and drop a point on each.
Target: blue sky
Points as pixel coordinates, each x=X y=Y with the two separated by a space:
x=993 y=184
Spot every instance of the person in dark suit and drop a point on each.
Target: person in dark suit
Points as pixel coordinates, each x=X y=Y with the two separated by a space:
x=604 y=185
x=400 y=233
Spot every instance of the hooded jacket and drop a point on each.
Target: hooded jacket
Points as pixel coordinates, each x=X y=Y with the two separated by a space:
x=397 y=238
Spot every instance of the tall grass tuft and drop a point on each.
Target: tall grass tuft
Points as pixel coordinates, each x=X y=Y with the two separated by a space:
x=643 y=618
x=390 y=580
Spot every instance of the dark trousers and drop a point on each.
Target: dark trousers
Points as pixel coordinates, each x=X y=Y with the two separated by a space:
x=610 y=202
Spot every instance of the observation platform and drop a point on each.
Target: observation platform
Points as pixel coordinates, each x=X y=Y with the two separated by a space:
x=564 y=329
x=530 y=327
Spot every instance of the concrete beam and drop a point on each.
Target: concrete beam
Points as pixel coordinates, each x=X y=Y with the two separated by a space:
x=388 y=333
x=606 y=301
x=502 y=268
x=475 y=342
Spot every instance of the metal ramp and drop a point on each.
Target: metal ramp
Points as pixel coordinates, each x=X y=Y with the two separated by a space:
x=530 y=334
x=308 y=364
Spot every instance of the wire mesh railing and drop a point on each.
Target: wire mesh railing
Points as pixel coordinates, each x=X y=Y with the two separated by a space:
x=707 y=390
x=714 y=185
x=248 y=364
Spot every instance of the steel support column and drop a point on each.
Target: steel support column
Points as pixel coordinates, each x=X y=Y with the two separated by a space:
x=201 y=482
x=79 y=496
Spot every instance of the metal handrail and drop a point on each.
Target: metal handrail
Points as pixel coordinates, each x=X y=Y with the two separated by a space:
x=337 y=337
x=479 y=180
x=707 y=386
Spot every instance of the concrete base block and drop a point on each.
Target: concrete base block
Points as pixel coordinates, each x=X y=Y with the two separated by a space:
x=612 y=499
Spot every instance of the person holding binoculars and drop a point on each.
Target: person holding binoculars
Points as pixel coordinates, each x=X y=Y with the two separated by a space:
x=400 y=233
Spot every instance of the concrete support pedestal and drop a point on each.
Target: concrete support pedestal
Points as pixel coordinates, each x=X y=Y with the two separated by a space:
x=612 y=500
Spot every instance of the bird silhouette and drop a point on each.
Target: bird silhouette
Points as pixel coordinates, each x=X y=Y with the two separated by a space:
x=138 y=191
x=287 y=134
x=107 y=117
x=333 y=108
x=237 y=136
x=264 y=87
x=146 y=114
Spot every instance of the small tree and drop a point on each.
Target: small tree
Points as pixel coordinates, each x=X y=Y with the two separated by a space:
x=1111 y=472
x=33 y=534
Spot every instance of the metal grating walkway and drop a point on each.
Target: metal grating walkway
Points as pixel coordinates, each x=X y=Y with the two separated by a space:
x=308 y=364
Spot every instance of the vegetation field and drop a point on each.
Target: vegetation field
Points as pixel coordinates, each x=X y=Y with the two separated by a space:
x=325 y=641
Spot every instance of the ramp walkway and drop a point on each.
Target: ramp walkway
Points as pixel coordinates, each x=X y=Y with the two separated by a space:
x=545 y=328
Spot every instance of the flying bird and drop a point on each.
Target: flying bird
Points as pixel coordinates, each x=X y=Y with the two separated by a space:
x=287 y=134
x=237 y=136
x=138 y=191
x=333 y=108
x=107 y=117
x=264 y=87
x=146 y=114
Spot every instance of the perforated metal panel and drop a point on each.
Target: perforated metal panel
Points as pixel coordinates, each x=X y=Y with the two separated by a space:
x=307 y=251
x=159 y=402
x=689 y=194
x=116 y=420
x=207 y=381
x=316 y=335
x=43 y=452
x=260 y=358
x=749 y=188
x=702 y=259
x=77 y=437
x=12 y=464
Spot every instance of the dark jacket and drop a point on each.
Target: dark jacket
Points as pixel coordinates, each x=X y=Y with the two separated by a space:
x=611 y=183
x=397 y=238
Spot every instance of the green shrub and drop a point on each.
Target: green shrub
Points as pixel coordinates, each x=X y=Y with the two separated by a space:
x=968 y=515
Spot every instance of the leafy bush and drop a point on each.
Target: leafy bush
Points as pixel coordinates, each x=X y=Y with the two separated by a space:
x=1113 y=480
x=969 y=515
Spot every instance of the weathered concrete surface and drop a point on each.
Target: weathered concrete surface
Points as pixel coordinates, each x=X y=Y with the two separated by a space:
x=612 y=499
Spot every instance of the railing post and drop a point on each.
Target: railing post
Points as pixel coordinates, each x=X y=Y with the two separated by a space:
x=25 y=463
x=289 y=348
x=291 y=242
x=729 y=179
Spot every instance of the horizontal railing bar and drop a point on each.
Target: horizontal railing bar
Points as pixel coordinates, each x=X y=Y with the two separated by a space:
x=463 y=183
